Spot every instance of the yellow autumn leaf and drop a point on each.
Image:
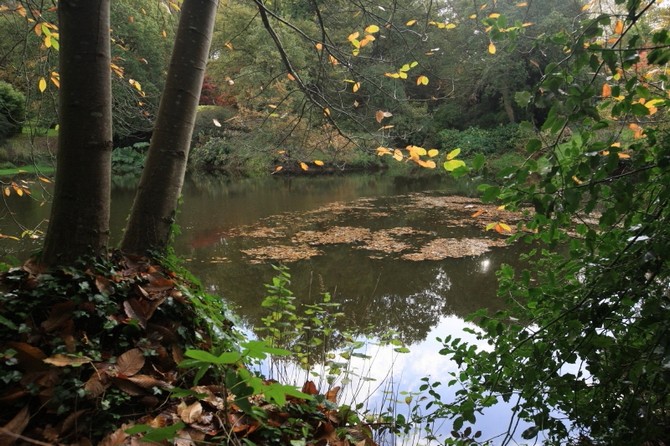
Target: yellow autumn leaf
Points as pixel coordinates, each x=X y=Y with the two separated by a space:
x=502 y=227
x=397 y=155
x=326 y=111
x=372 y=29
x=383 y=151
x=453 y=154
x=356 y=87
x=433 y=153
x=522 y=4
x=135 y=84
x=410 y=22
x=577 y=180
x=304 y=166
x=623 y=156
x=164 y=34
x=319 y=162
x=450 y=25
x=8 y=191
x=422 y=80
x=290 y=76
x=494 y=15
x=333 y=60
x=353 y=36
x=319 y=46
x=492 y=48
x=472 y=16
x=42 y=85
x=278 y=168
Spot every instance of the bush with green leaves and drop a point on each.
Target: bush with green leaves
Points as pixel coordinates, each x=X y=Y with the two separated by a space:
x=474 y=140
x=12 y=110
x=583 y=353
x=211 y=120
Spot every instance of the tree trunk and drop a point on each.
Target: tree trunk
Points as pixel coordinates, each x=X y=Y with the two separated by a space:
x=507 y=104
x=79 y=223
x=153 y=211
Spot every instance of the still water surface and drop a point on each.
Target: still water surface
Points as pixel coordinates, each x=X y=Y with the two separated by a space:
x=420 y=300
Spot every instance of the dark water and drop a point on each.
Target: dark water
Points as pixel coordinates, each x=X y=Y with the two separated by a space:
x=419 y=300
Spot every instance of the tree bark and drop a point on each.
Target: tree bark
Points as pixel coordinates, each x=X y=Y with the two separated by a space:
x=507 y=104
x=153 y=212
x=79 y=223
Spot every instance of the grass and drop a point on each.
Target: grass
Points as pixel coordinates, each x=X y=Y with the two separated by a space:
x=42 y=169
x=28 y=153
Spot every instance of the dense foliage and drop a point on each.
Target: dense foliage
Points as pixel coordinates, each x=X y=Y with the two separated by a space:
x=582 y=354
x=12 y=110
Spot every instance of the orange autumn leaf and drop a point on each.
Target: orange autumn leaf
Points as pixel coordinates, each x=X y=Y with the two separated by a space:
x=618 y=27
x=607 y=91
x=304 y=166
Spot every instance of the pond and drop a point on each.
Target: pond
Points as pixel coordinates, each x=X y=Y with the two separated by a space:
x=406 y=255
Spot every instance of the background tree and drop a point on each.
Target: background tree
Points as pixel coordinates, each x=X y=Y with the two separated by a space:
x=153 y=212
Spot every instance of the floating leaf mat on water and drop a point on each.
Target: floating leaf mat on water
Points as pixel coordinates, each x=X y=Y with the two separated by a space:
x=403 y=227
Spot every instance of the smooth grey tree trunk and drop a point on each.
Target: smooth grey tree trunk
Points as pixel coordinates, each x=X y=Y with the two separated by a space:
x=153 y=212
x=79 y=223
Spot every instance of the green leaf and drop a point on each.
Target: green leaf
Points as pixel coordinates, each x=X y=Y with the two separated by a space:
x=452 y=165
x=224 y=358
x=523 y=98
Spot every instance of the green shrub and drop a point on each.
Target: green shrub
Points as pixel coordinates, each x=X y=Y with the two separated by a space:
x=128 y=162
x=207 y=118
x=12 y=110
x=220 y=155
x=477 y=140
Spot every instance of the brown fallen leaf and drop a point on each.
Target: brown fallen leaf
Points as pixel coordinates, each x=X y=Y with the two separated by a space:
x=11 y=431
x=189 y=413
x=130 y=362
x=61 y=360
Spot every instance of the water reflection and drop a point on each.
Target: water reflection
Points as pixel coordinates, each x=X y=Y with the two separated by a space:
x=378 y=291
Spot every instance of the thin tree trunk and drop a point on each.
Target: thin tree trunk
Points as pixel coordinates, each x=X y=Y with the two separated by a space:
x=153 y=211
x=507 y=104
x=79 y=223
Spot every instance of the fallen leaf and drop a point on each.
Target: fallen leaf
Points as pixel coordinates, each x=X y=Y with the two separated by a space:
x=130 y=362
x=190 y=414
x=10 y=431
x=61 y=360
